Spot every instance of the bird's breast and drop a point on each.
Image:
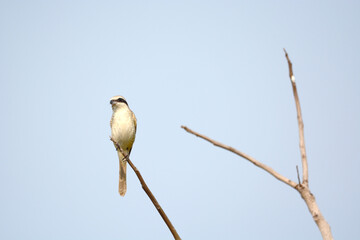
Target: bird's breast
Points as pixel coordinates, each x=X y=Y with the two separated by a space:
x=123 y=129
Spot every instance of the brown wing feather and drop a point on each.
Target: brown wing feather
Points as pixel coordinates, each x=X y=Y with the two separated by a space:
x=135 y=121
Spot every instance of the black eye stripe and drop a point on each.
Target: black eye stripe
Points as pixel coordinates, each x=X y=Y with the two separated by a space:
x=122 y=100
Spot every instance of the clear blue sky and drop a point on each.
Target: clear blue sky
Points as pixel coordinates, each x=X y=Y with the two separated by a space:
x=217 y=67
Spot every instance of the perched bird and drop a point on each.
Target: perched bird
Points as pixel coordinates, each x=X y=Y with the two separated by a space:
x=123 y=130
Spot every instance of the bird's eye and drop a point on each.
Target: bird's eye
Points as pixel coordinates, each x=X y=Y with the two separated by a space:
x=122 y=100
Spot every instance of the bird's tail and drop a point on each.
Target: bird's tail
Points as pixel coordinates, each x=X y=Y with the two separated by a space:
x=122 y=174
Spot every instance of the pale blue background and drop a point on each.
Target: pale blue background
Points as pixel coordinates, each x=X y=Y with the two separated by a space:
x=217 y=67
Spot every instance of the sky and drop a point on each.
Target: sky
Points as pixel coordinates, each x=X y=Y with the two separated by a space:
x=217 y=67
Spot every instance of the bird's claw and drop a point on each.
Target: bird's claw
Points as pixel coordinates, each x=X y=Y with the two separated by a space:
x=125 y=158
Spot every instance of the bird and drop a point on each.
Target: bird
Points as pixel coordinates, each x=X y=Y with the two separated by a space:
x=123 y=125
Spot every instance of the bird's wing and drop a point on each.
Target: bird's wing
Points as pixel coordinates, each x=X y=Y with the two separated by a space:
x=135 y=121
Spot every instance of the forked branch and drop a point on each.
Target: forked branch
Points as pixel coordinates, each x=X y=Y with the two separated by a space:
x=302 y=188
x=150 y=195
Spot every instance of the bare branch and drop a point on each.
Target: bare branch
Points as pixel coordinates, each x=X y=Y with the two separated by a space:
x=315 y=212
x=247 y=157
x=291 y=73
x=149 y=193
x=302 y=188
x=300 y=123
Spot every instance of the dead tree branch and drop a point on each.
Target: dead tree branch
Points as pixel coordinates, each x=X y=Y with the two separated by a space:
x=300 y=123
x=247 y=157
x=150 y=195
x=302 y=188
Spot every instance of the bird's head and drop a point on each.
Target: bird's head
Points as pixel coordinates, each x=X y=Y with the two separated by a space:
x=118 y=102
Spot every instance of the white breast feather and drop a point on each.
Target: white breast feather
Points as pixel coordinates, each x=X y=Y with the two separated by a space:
x=123 y=129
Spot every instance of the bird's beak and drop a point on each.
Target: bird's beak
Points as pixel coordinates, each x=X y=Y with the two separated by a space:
x=111 y=102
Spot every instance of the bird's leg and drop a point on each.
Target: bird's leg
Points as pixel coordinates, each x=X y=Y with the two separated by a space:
x=125 y=158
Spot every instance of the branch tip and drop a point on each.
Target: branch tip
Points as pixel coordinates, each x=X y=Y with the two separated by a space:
x=291 y=73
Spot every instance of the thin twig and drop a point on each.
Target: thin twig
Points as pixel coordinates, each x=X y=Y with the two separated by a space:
x=247 y=157
x=300 y=123
x=149 y=193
